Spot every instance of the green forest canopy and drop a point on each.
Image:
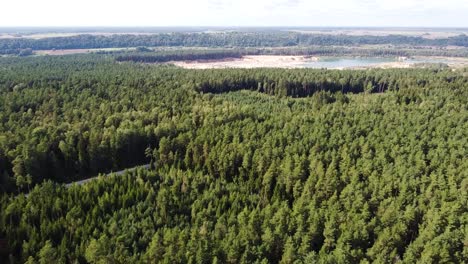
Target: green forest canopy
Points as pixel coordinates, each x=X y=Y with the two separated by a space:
x=265 y=165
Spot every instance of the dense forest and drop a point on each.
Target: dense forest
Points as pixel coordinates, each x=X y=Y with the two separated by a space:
x=247 y=166
x=226 y=39
x=45 y=134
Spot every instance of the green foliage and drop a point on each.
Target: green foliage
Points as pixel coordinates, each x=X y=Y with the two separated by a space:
x=244 y=172
x=48 y=254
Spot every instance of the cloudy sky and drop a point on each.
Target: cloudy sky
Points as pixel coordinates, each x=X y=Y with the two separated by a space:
x=429 y=13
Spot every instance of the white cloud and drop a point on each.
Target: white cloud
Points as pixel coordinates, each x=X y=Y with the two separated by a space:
x=234 y=13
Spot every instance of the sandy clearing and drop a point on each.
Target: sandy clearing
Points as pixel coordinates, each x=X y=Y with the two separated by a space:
x=253 y=61
x=273 y=61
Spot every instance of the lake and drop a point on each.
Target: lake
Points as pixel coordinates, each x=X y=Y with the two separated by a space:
x=356 y=62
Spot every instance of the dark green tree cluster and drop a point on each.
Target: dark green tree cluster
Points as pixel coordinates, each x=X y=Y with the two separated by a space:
x=189 y=55
x=73 y=117
x=239 y=176
x=306 y=82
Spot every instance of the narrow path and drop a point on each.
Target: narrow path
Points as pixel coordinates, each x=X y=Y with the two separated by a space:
x=121 y=172
x=81 y=182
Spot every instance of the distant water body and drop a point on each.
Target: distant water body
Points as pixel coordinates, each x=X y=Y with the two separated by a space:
x=350 y=62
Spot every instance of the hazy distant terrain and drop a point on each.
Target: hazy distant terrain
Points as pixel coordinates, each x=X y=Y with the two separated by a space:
x=329 y=30
x=317 y=42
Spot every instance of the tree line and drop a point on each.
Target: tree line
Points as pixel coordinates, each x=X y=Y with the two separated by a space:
x=189 y=55
x=226 y=39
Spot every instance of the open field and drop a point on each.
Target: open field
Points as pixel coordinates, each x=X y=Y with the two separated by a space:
x=70 y=34
x=77 y=51
x=35 y=36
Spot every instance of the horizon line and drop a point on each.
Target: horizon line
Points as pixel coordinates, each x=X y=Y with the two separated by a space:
x=234 y=26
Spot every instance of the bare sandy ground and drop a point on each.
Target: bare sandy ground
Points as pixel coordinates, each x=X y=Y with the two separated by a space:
x=273 y=61
x=254 y=61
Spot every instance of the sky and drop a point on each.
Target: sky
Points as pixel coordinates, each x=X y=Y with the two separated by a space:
x=338 y=13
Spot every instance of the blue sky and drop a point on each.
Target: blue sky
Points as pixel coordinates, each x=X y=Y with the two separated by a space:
x=399 y=13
